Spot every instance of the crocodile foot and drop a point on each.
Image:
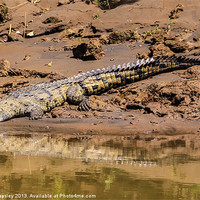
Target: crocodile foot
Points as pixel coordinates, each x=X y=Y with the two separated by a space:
x=84 y=105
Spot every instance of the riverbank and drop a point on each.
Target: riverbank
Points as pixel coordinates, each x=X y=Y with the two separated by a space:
x=39 y=46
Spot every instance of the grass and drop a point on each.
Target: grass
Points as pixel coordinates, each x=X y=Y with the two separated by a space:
x=149 y=33
x=24 y=25
x=169 y=25
x=3 y=11
x=10 y=29
x=96 y=16
x=105 y=4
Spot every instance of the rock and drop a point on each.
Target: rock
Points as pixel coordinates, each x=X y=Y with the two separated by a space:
x=30 y=34
x=88 y=1
x=73 y=32
x=53 y=20
x=4 y=38
x=176 y=100
x=116 y=100
x=64 y=2
x=4 y=64
x=104 y=39
x=89 y=51
x=142 y=55
x=157 y=109
x=118 y=37
x=159 y=50
x=15 y=37
x=196 y=36
x=134 y=106
x=177 y=45
x=46 y=39
x=4 y=67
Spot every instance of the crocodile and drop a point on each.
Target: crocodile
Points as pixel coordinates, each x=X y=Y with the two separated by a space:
x=78 y=149
x=34 y=101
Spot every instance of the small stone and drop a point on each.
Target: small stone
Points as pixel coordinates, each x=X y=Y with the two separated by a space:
x=30 y=34
x=177 y=45
x=15 y=37
x=63 y=2
x=4 y=67
x=27 y=57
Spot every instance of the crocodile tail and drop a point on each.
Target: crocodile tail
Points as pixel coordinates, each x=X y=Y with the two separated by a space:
x=190 y=61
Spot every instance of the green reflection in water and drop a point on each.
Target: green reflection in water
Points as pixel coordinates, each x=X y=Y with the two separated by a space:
x=126 y=171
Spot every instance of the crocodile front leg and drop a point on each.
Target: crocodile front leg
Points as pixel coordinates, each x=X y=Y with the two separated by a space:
x=75 y=95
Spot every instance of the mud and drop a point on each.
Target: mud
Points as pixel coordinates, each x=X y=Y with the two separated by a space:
x=43 y=44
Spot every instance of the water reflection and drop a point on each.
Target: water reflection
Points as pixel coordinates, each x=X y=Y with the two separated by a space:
x=105 y=167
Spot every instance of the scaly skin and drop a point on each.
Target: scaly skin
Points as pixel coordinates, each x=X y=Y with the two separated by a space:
x=34 y=101
x=57 y=147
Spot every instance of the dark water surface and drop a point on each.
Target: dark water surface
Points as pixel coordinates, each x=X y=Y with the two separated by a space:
x=101 y=167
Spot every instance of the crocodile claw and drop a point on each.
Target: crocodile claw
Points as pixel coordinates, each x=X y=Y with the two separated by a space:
x=84 y=105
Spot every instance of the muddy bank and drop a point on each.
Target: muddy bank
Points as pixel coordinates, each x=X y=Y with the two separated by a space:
x=45 y=44
x=115 y=125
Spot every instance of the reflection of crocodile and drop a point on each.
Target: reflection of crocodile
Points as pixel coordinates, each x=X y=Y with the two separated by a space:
x=36 y=100
x=86 y=151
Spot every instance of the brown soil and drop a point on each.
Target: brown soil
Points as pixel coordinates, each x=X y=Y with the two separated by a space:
x=40 y=42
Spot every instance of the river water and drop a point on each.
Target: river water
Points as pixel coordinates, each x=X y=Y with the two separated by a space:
x=43 y=166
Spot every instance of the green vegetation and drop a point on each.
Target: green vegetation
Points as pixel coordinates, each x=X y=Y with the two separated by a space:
x=3 y=12
x=79 y=39
x=157 y=28
x=105 y=4
x=149 y=33
x=96 y=16
x=169 y=25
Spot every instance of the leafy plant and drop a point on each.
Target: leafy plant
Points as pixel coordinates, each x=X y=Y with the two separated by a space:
x=96 y=16
x=157 y=28
x=104 y=4
x=169 y=25
x=149 y=33
x=3 y=11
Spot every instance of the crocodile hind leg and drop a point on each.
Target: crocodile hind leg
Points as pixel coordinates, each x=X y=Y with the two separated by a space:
x=34 y=112
x=75 y=96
